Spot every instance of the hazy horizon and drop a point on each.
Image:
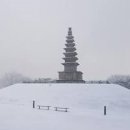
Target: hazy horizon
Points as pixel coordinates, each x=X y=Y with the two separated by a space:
x=33 y=34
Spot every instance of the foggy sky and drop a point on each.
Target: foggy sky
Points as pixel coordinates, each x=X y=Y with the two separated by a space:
x=32 y=36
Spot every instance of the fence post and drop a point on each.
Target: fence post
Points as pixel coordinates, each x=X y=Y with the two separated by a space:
x=33 y=103
x=105 y=110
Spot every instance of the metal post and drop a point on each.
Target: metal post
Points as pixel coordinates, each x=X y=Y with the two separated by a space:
x=33 y=104
x=105 y=110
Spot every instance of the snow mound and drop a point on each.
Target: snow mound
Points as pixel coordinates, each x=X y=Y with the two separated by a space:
x=85 y=103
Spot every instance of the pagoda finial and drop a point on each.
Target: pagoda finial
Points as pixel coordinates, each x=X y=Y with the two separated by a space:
x=70 y=31
x=70 y=28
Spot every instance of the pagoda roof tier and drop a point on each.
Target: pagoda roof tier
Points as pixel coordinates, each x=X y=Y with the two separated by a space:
x=70 y=63
x=70 y=54
x=70 y=49
x=70 y=40
x=69 y=37
x=75 y=58
x=70 y=59
x=70 y=44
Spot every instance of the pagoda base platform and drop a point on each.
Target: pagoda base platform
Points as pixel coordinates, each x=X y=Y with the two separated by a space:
x=70 y=81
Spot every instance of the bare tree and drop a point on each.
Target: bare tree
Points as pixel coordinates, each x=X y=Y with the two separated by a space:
x=123 y=80
x=12 y=78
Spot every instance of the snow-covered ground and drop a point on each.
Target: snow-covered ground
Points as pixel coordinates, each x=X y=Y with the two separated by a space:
x=85 y=103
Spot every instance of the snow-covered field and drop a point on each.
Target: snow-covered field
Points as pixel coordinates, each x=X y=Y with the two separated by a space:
x=85 y=103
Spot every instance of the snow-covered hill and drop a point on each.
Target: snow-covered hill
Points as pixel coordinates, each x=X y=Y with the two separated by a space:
x=85 y=103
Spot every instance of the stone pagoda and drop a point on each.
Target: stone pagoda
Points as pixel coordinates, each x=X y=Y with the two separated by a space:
x=70 y=73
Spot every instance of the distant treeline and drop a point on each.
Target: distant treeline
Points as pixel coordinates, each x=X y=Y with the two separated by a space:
x=49 y=80
x=98 y=82
x=13 y=78
x=40 y=80
x=123 y=80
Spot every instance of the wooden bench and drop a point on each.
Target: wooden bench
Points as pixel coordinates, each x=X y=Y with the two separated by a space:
x=61 y=109
x=44 y=107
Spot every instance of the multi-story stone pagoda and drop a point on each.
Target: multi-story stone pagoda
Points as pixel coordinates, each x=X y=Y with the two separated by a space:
x=70 y=73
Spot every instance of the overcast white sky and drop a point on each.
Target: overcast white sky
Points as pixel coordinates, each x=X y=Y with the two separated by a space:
x=32 y=36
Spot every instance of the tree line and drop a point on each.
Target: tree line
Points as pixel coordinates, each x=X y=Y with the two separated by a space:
x=13 y=78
